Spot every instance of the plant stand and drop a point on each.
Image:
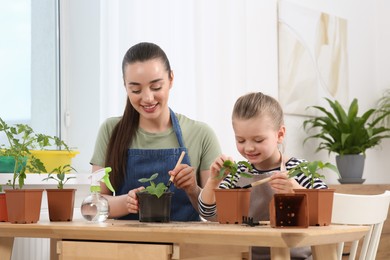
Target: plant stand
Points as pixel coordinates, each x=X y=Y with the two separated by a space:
x=3 y=208
x=289 y=210
x=320 y=205
x=60 y=204
x=24 y=206
x=154 y=209
x=232 y=205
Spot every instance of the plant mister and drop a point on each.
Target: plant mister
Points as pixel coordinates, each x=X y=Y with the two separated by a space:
x=95 y=208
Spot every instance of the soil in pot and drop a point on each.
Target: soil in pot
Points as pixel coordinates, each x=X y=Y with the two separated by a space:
x=154 y=209
x=232 y=205
x=60 y=204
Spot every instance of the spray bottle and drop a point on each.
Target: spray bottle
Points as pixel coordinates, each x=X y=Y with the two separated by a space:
x=95 y=207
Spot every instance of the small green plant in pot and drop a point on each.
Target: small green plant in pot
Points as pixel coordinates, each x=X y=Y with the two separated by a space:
x=60 y=200
x=231 y=167
x=320 y=201
x=154 y=201
x=232 y=203
x=347 y=134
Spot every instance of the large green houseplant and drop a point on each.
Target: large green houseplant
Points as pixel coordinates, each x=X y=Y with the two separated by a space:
x=347 y=134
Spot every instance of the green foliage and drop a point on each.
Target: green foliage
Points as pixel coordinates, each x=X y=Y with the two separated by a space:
x=60 y=172
x=232 y=167
x=344 y=132
x=383 y=107
x=311 y=169
x=154 y=189
x=21 y=139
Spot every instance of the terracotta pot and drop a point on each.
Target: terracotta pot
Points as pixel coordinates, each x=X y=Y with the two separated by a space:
x=3 y=208
x=153 y=209
x=289 y=210
x=24 y=206
x=61 y=204
x=232 y=205
x=320 y=205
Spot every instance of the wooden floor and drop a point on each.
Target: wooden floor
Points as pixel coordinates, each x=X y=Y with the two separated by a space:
x=371 y=189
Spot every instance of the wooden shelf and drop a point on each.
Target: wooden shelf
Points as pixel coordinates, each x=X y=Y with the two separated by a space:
x=371 y=189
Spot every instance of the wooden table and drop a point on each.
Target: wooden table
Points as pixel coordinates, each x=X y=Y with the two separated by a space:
x=177 y=240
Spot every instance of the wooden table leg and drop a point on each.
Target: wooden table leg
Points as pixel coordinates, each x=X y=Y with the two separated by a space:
x=6 y=245
x=324 y=252
x=53 y=249
x=280 y=253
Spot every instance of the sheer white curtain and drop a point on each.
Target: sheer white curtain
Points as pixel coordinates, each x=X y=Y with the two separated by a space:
x=218 y=50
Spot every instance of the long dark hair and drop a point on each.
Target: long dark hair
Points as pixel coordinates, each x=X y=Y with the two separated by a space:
x=124 y=132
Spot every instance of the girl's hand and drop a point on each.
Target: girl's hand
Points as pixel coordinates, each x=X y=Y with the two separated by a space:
x=280 y=183
x=132 y=201
x=217 y=165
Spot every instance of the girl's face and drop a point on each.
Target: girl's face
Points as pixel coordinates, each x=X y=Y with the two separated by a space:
x=147 y=85
x=257 y=141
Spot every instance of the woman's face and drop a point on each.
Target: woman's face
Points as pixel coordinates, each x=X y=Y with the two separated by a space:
x=147 y=85
x=257 y=141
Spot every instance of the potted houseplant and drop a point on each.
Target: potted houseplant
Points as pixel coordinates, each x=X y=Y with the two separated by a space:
x=232 y=203
x=154 y=201
x=23 y=205
x=319 y=201
x=348 y=135
x=60 y=200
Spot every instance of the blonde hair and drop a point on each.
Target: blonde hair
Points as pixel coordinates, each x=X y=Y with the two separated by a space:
x=258 y=104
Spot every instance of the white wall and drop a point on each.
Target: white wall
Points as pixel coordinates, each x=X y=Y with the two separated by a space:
x=369 y=60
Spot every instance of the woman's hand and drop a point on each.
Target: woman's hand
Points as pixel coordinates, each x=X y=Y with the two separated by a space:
x=184 y=177
x=132 y=201
x=280 y=183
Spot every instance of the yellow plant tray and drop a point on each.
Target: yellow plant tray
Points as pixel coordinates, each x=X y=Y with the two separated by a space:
x=54 y=158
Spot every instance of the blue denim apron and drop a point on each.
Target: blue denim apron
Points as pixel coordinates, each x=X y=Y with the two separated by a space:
x=142 y=163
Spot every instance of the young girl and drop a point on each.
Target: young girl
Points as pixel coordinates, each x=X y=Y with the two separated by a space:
x=259 y=131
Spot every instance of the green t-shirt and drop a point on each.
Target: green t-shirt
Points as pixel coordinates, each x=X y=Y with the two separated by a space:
x=200 y=140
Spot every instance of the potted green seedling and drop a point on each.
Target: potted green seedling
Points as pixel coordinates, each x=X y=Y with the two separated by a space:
x=21 y=140
x=232 y=203
x=60 y=200
x=320 y=201
x=154 y=201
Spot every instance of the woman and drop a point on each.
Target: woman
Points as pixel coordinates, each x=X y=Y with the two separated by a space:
x=150 y=137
